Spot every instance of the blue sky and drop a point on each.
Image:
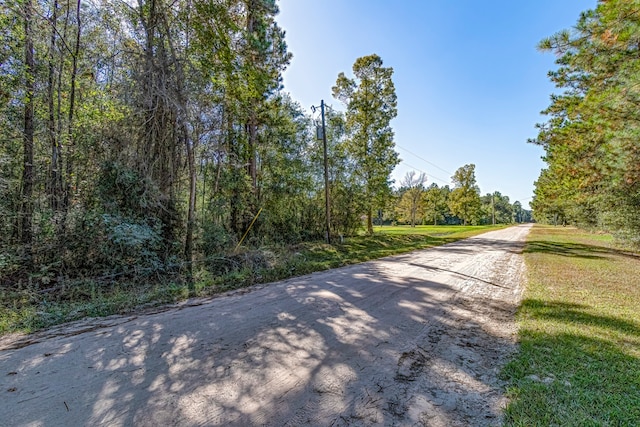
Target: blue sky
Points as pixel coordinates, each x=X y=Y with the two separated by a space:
x=469 y=80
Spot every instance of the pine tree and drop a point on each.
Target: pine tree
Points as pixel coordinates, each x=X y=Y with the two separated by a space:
x=371 y=104
x=591 y=136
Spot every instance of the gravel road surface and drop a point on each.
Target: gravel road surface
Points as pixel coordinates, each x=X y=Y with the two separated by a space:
x=414 y=339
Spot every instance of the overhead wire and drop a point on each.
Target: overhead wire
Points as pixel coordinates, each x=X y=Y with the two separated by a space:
x=424 y=160
x=426 y=173
x=438 y=167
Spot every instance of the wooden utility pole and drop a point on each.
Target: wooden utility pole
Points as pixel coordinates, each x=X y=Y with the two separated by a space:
x=493 y=210
x=327 y=199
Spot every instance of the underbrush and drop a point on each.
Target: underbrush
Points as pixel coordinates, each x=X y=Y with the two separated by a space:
x=30 y=305
x=579 y=358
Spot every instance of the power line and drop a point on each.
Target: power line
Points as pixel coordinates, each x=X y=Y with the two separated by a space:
x=428 y=174
x=424 y=160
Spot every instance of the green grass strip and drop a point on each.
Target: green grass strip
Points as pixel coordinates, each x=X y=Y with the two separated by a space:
x=579 y=358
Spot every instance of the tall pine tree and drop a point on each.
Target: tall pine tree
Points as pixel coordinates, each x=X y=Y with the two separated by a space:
x=371 y=104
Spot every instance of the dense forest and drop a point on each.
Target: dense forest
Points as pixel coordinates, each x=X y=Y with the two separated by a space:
x=143 y=138
x=591 y=136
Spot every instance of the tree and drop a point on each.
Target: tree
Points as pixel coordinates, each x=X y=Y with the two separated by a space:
x=28 y=134
x=412 y=189
x=286 y=178
x=435 y=202
x=591 y=135
x=264 y=58
x=345 y=186
x=520 y=214
x=497 y=209
x=140 y=138
x=550 y=202
x=464 y=200
x=371 y=104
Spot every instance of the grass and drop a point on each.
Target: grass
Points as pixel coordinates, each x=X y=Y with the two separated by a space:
x=579 y=358
x=436 y=230
x=29 y=309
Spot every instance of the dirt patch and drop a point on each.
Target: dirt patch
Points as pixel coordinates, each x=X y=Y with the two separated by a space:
x=414 y=339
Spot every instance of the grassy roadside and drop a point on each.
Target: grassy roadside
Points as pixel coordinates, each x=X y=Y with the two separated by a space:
x=579 y=361
x=32 y=308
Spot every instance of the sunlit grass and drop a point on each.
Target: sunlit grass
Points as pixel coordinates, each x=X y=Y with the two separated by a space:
x=579 y=361
x=436 y=230
x=27 y=310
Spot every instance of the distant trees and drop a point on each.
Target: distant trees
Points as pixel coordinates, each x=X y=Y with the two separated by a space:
x=464 y=200
x=520 y=214
x=411 y=206
x=27 y=182
x=496 y=209
x=370 y=99
x=435 y=205
x=592 y=132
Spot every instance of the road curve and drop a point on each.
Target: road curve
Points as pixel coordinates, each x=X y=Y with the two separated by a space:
x=413 y=339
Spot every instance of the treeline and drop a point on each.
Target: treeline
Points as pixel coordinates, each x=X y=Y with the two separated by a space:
x=419 y=204
x=148 y=140
x=591 y=137
x=142 y=138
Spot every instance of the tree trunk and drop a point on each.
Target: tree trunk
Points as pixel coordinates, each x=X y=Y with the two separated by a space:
x=370 y=221
x=252 y=126
x=188 y=246
x=55 y=184
x=159 y=156
x=70 y=129
x=66 y=186
x=253 y=139
x=234 y=157
x=413 y=215
x=27 y=140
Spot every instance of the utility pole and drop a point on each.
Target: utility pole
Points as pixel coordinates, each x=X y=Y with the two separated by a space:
x=493 y=210
x=327 y=200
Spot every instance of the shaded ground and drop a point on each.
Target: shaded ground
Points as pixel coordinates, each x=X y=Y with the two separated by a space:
x=415 y=339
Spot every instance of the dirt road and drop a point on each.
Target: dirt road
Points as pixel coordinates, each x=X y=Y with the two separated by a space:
x=415 y=339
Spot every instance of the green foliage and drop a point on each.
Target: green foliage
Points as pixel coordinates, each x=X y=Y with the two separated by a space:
x=28 y=308
x=131 y=243
x=123 y=190
x=590 y=139
x=286 y=178
x=464 y=200
x=345 y=186
x=214 y=239
x=371 y=104
x=497 y=209
x=411 y=204
x=435 y=201
x=520 y=214
x=159 y=131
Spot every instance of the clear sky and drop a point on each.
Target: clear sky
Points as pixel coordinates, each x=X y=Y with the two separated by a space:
x=469 y=79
